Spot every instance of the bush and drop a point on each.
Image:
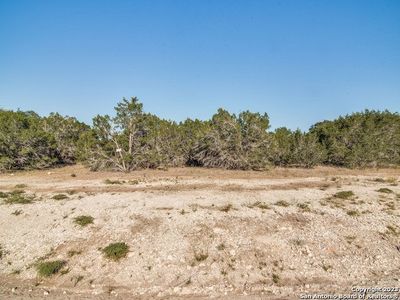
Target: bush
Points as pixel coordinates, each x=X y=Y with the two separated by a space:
x=49 y=268
x=60 y=197
x=84 y=220
x=116 y=251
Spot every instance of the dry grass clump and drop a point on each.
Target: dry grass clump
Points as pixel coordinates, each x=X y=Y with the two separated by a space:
x=275 y=278
x=282 y=203
x=344 y=194
x=21 y=186
x=110 y=181
x=116 y=251
x=258 y=204
x=392 y=230
x=304 y=207
x=226 y=208
x=72 y=253
x=200 y=255
x=353 y=213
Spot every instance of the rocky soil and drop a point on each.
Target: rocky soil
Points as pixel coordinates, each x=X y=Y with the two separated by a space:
x=195 y=233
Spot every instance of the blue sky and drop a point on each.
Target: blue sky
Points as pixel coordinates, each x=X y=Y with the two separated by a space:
x=299 y=61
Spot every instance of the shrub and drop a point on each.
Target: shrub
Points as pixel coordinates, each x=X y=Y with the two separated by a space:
x=49 y=268
x=19 y=197
x=60 y=197
x=116 y=251
x=83 y=220
x=385 y=190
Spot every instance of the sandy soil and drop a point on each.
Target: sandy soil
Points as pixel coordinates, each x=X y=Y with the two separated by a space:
x=198 y=233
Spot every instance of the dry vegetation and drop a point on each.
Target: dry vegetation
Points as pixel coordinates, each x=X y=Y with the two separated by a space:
x=195 y=233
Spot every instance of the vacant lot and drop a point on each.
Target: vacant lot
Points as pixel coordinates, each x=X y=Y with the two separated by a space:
x=189 y=233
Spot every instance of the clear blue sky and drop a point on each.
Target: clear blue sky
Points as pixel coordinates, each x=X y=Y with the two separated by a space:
x=299 y=61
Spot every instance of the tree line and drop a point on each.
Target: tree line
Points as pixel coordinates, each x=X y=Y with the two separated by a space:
x=132 y=139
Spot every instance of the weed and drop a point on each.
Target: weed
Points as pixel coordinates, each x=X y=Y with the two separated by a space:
x=17 y=212
x=83 y=220
x=221 y=247
x=258 y=204
x=60 y=197
x=350 y=238
x=304 y=207
x=49 y=268
x=326 y=268
x=77 y=279
x=282 y=203
x=19 y=197
x=353 y=213
x=3 y=195
x=109 y=181
x=21 y=186
x=379 y=180
x=226 y=208
x=200 y=256
x=344 y=194
x=275 y=278
x=116 y=251
x=392 y=230
x=385 y=190
x=72 y=253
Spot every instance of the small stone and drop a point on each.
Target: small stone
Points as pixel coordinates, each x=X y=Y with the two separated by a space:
x=46 y=293
x=13 y=290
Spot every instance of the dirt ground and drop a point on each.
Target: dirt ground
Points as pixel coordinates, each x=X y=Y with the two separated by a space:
x=197 y=233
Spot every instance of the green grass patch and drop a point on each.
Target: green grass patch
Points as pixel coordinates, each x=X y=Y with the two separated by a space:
x=19 y=197
x=49 y=268
x=59 y=197
x=344 y=194
x=116 y=251
x=84 y=220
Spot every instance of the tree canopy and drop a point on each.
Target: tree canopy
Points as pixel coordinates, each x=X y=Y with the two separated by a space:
x=133 y=139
